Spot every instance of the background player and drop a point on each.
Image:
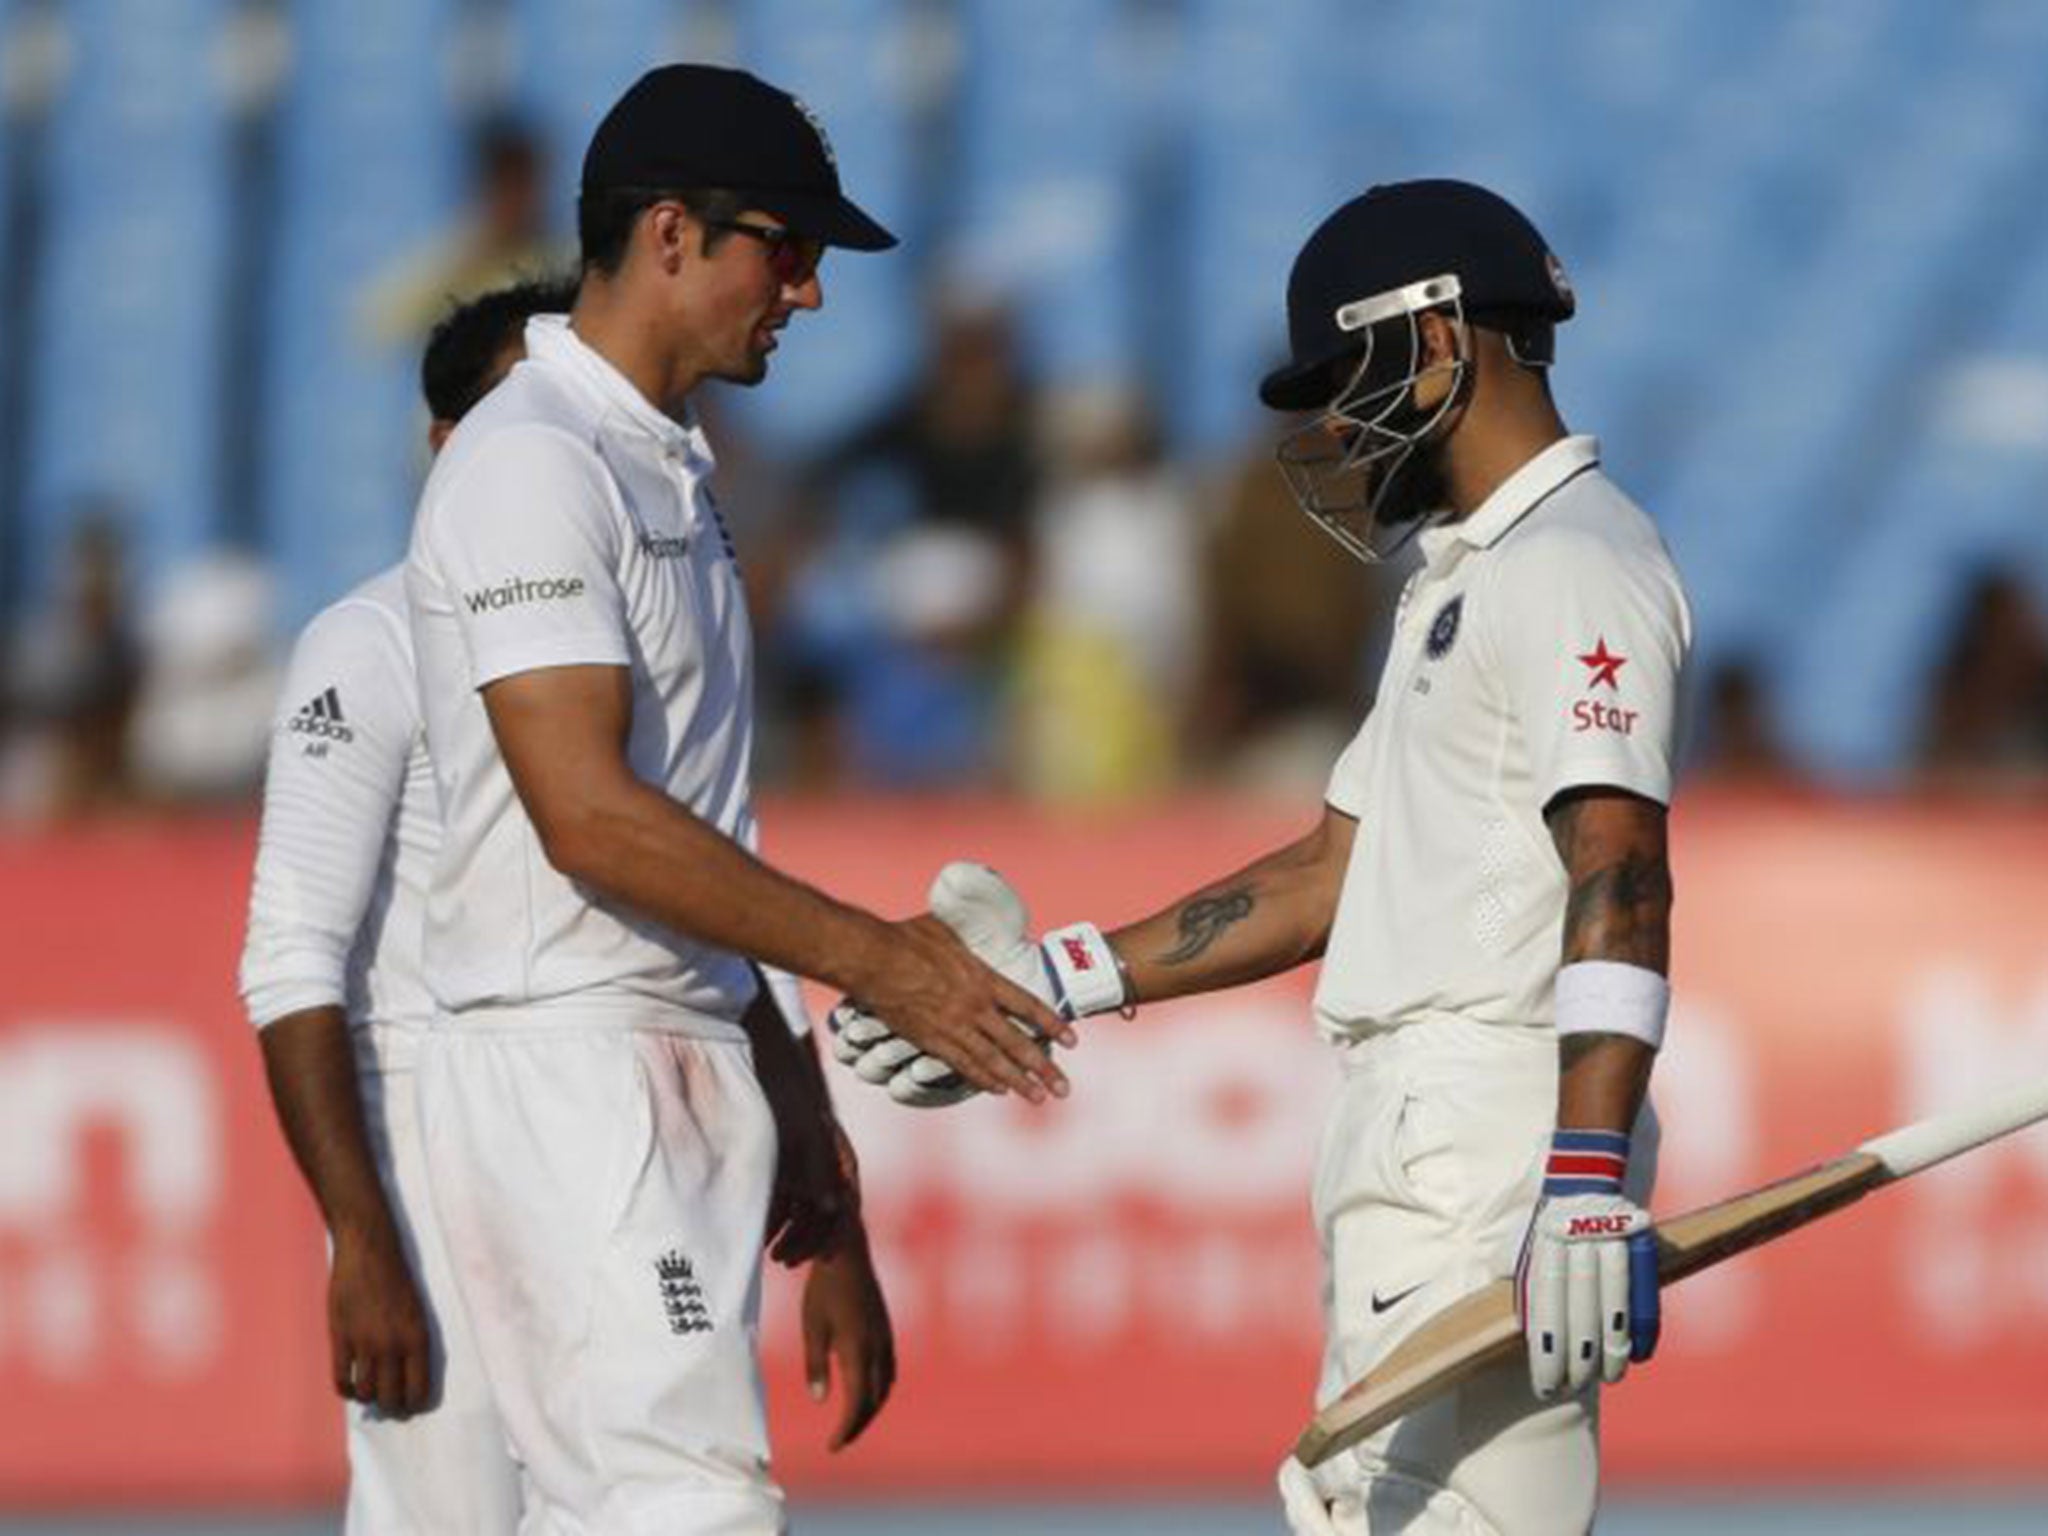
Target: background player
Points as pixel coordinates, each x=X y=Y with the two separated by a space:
x=599 y=1144
x=1488 y=885
x=331 y=975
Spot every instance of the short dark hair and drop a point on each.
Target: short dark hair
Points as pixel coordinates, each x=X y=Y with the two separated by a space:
x=455 y=370
x=605 y=217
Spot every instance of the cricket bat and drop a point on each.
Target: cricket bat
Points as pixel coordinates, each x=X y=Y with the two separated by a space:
x=1480 y=1329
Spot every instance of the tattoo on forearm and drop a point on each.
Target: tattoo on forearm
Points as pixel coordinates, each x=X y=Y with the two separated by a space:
x=1203 y=920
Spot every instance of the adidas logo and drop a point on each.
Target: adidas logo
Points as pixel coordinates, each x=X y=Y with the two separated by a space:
x=682 y=1298
x=322 y=718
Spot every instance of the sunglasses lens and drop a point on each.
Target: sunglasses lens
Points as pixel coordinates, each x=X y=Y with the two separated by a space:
x=796 y=257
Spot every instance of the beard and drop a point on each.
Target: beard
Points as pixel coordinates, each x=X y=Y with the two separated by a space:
x=1413 y=489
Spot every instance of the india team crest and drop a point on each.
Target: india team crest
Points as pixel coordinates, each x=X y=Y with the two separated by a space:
x=1443 y=629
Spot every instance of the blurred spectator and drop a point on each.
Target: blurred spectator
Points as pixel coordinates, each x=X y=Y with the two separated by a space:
x=1986 y=723
x=899 y=624
x=72 y=684
x=503 y=236
x=1109 y=659
x=1739 y=743
x=1290 y=624
x=209 y=683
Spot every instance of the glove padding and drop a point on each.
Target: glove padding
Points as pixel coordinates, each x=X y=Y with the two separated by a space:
x=1586 y=1285
x=989 y=917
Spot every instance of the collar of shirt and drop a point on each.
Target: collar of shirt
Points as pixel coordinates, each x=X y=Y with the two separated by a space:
x=550 y=340
x=1513 y=499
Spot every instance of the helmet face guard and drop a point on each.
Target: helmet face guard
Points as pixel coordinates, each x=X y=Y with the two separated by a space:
x=1342 y=465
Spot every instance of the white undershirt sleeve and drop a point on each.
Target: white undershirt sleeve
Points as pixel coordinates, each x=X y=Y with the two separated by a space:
x=345 y=727
x=525 y=544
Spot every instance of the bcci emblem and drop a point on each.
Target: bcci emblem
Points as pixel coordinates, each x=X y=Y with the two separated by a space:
x=1443 y=629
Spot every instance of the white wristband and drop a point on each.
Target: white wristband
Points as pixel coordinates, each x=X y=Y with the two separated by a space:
x=1087 y=977
x=1610 y=997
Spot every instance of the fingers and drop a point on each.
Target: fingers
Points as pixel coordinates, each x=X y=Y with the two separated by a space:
x=1029 y=1011
x=867 y=1378
x=1582 y=1313
x=1544 y=1317
x=817 y=1359
x=1614 y=1311
x=418 y=1376
x=1645 y=1296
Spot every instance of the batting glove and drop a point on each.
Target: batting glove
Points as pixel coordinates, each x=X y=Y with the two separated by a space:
x=1073 y=971
x=1586 y=1285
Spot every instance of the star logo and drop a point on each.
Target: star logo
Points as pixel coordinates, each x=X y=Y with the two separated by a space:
x=1603 y=665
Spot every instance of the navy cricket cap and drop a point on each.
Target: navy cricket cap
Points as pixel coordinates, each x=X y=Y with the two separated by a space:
x=697 y=126
x=1407 y=232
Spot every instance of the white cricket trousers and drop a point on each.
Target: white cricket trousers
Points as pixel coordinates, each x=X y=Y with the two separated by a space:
x=447 y=1471
x=1428 y=1170
x=604 y=1192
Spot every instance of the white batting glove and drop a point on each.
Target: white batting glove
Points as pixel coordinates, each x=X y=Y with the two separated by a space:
x=1586 y=1285
x=1072 y=971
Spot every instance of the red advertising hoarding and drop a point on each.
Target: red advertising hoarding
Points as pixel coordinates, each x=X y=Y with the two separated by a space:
x=1116 y=1291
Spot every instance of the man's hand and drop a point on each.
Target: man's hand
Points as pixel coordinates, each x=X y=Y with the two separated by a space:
x=377 y=1326
x=1586 y=1286
x=845 y=1318
x=946 y=1003
x=815 y=1204
x=1073 y=972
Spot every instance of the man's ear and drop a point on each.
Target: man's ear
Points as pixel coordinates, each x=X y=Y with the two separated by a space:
x=671 y=235
x=1439 y=336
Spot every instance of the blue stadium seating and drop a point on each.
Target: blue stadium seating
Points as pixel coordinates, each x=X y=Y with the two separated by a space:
x=126 y=372
x=1808 y=237
x=851 y=62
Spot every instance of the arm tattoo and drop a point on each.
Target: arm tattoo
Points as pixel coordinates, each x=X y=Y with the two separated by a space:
x=1619 y=905
x=1203 y=920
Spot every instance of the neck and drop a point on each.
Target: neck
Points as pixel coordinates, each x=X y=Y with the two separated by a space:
x=1488 y=447
x=626 y=335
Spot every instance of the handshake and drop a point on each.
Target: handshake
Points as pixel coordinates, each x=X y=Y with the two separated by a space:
x=1072 y=970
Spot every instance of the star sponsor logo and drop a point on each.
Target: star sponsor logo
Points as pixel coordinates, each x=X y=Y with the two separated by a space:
x=1603 y=670
x=1603 y=665
x=523 y=589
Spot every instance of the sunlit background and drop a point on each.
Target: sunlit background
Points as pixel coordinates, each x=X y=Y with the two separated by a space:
x=1027 y=586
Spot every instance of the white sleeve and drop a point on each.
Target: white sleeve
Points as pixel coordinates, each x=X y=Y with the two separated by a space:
x=344 y=729
x=526 y=548
x=1348 y=780
x=1591 y=639
x=789 y=997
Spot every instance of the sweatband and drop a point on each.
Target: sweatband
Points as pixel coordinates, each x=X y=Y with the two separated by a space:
x=1611 y=997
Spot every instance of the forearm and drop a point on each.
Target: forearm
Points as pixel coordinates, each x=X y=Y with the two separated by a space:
x=1267 y=918
x=639 y=848
x=1617 y=910
x=310 y=1063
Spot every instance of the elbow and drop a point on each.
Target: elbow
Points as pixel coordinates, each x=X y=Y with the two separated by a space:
x=574 y=841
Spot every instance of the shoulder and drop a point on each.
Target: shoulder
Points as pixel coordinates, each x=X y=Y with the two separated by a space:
x=361 y=641
x=1589 y=528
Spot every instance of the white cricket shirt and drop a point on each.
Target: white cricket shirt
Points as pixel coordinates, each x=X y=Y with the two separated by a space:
x=1539 y=649
x=349 y=832
x=568 y=521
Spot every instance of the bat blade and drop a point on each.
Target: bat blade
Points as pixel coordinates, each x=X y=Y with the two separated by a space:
x=1480 y=1329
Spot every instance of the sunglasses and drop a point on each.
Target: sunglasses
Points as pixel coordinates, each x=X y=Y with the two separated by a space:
x=791 y=257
